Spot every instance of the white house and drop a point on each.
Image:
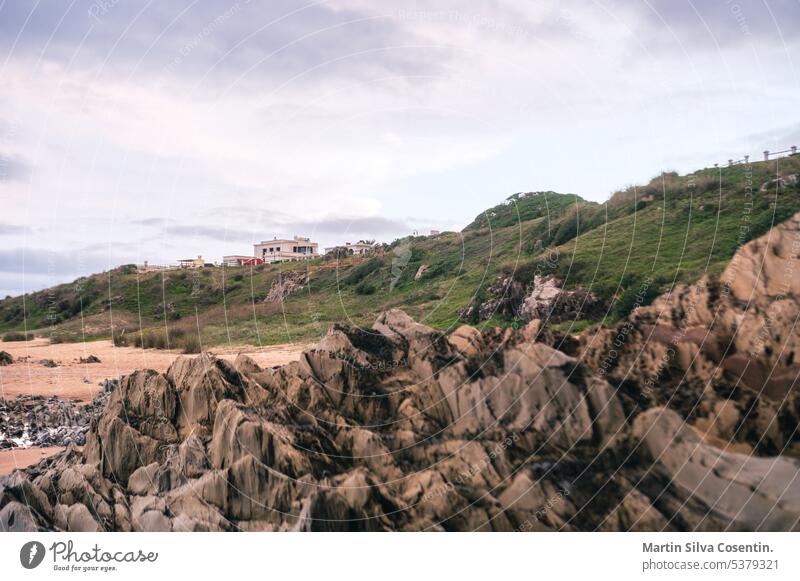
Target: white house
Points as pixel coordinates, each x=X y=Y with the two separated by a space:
x=286 y=250
x=360 y=247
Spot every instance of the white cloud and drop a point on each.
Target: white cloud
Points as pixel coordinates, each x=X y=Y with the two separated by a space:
x=362 y=110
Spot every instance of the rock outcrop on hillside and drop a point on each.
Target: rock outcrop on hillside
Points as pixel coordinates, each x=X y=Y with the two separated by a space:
x=658 y=424
x=543 y=299
x=724 y=352
x=285 y=284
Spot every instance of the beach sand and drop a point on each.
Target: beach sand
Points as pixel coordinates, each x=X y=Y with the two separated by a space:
x=80 y=381
x=22 y=458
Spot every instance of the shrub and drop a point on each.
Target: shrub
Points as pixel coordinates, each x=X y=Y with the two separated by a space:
x=767 y=220
x=120 y=338
x=363 y=270
x=175 y=335
x=364 y=288
x=150 y=340
x=635 y=293
x=17 y=336
x=566 y=231
x=477 y=301
x=190 y=344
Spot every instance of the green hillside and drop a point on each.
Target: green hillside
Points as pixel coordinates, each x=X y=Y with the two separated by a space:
x=526 y=207
x=676 y=228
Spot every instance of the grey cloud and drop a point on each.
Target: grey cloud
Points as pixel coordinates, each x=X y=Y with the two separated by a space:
x=370 y=226
x=29 y=270
x=149 y=222
x=192 y=37
x=40 y=262
x=13 y=169
x=200 y=231
x=706 y=23
x=11 y=229
x=779 y=137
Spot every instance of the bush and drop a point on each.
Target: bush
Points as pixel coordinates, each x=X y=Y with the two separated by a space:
x=17 y=336
x=120 y=338
x=767 y=220
x=364 y=288
x=150 y=340
x=566 y=231
x=363 y=270
x=190 y=344
x=635 y=293
x=175 y=335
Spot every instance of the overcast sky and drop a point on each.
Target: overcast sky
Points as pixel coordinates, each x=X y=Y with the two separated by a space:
x=134 y=131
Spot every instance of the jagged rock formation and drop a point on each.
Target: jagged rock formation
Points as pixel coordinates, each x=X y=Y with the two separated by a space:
x=400 y=427
x=722 y=352
x=285 y=284
x=46 y=421
x=544 y=299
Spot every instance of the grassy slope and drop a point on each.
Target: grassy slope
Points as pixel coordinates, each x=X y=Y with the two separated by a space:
x=692 y=225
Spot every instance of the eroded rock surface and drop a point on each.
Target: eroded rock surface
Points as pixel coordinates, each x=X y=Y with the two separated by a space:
x=683 y=417
x=285 y=284
x=543 y=299
x=723 y=352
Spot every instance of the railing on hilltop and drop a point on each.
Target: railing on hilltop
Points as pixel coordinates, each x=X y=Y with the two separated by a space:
x=767 y=153
x=791 y=151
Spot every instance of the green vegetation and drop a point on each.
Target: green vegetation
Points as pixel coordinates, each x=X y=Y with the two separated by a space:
x=526 y=207
x=627 y=250
x=17 y=336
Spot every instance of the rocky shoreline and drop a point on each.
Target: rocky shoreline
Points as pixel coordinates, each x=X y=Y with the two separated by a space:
x=682 y=417
x=38 y=421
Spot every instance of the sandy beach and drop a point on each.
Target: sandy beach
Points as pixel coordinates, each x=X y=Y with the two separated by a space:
x=10 y=460
x=71 y=379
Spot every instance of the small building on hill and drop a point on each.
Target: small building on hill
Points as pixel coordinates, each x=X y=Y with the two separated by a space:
x=192 y=262
x=286 y=250
x=147 y=267
x=241 y=260
x=360 y=247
